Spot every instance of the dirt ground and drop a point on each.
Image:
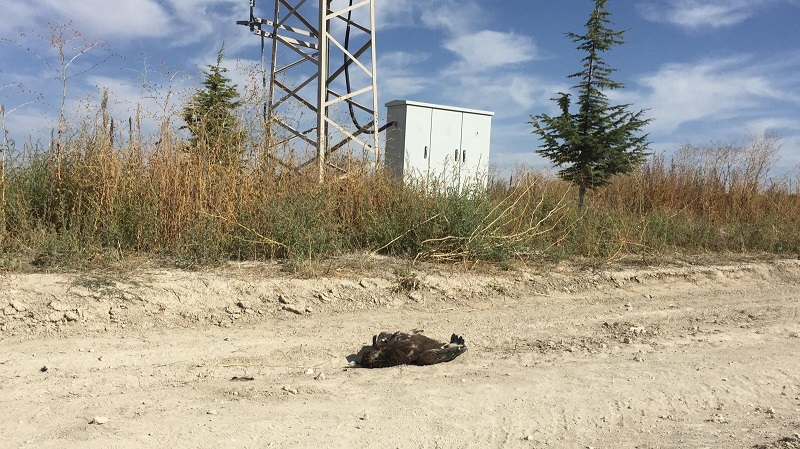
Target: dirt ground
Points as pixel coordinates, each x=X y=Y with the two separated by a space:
x=250 y=356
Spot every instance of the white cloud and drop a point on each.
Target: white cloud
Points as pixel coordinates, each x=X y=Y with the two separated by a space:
x=398 y=87
x=399 y=76
x=772 y=124
x=455 y=16
x=17 y=16
x=102 y=18
x=198 y=21
x=508 y=163
x=401 y=60
x=487 y=50
x=180 y=22
x=701 y=13
x=394 y=13
x=790 y=156
x=506 y=94
x=30 y=121
x=711 y=90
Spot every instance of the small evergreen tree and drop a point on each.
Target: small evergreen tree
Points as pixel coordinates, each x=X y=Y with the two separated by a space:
x=600 y=140
x=209 y=116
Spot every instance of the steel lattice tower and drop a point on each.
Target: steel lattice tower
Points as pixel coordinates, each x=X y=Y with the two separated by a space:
x=312 y=97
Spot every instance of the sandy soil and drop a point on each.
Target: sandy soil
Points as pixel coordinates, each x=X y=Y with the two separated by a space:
x=677 y=356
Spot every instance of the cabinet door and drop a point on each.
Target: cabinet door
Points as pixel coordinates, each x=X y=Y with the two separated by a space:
x=395 y=140
x=417 y=134
x=475 y=148
x=445 y=144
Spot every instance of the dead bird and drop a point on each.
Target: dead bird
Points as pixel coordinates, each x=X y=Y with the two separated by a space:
x=410 y=348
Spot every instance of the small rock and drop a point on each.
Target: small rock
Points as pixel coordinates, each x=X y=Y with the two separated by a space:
x=244 y=305
x=718 y=419
x=319 y=376
x=211 y=412
x=58 y=305
x=55 y=316
x=18 y=306
x=293 y=309
x=99 y=420
x=43 y=369
x=794 y=335
x=770 y=411
x=242 y=378
x=637 y=330
x=8 y=310
x=629 y=307
x=232 y=310
x=626 y=340
x=527 y=438
x=70 y=315
x=638 y=358
x=289 y=389
x=78 y=290
x=309 y=371
x=309 y=310
x=282 y=299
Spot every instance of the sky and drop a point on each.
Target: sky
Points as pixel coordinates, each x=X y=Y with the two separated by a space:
x=707 y=71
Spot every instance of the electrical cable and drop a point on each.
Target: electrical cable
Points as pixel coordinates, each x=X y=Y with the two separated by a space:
x=347 y=62
x=263 y=70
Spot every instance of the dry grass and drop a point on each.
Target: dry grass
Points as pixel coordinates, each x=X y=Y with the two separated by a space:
x=110 y=194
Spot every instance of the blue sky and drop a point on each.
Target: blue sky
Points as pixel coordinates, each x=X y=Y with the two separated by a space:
x=709 y=71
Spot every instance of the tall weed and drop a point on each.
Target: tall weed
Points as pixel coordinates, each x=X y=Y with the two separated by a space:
x=119 y=194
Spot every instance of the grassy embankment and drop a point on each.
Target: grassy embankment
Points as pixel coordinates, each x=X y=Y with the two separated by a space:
x=108 y=194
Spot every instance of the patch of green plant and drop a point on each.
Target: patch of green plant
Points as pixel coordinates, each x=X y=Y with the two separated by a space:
x=96 y=283
x=407 y=280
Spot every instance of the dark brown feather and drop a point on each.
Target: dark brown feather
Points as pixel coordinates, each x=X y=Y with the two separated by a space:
x=410 y=348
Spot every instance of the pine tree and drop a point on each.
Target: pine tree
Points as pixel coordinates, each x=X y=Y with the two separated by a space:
x=210 y=117
x=600 y=140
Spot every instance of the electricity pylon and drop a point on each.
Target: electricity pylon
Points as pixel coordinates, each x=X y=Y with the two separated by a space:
x=314 y=46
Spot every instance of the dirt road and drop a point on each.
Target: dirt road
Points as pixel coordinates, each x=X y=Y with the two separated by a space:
x=680 y=356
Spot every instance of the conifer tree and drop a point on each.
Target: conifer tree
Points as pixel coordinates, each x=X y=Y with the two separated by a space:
x=600 y=140
x=210 y=117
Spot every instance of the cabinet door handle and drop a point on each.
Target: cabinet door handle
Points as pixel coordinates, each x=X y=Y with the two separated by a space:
x=425 y=152
x=455 y=159
x=463 y=155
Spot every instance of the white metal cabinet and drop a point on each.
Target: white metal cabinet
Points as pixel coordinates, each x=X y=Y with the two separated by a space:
x=475 y=147
x=445 y=139
x=436 y=142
